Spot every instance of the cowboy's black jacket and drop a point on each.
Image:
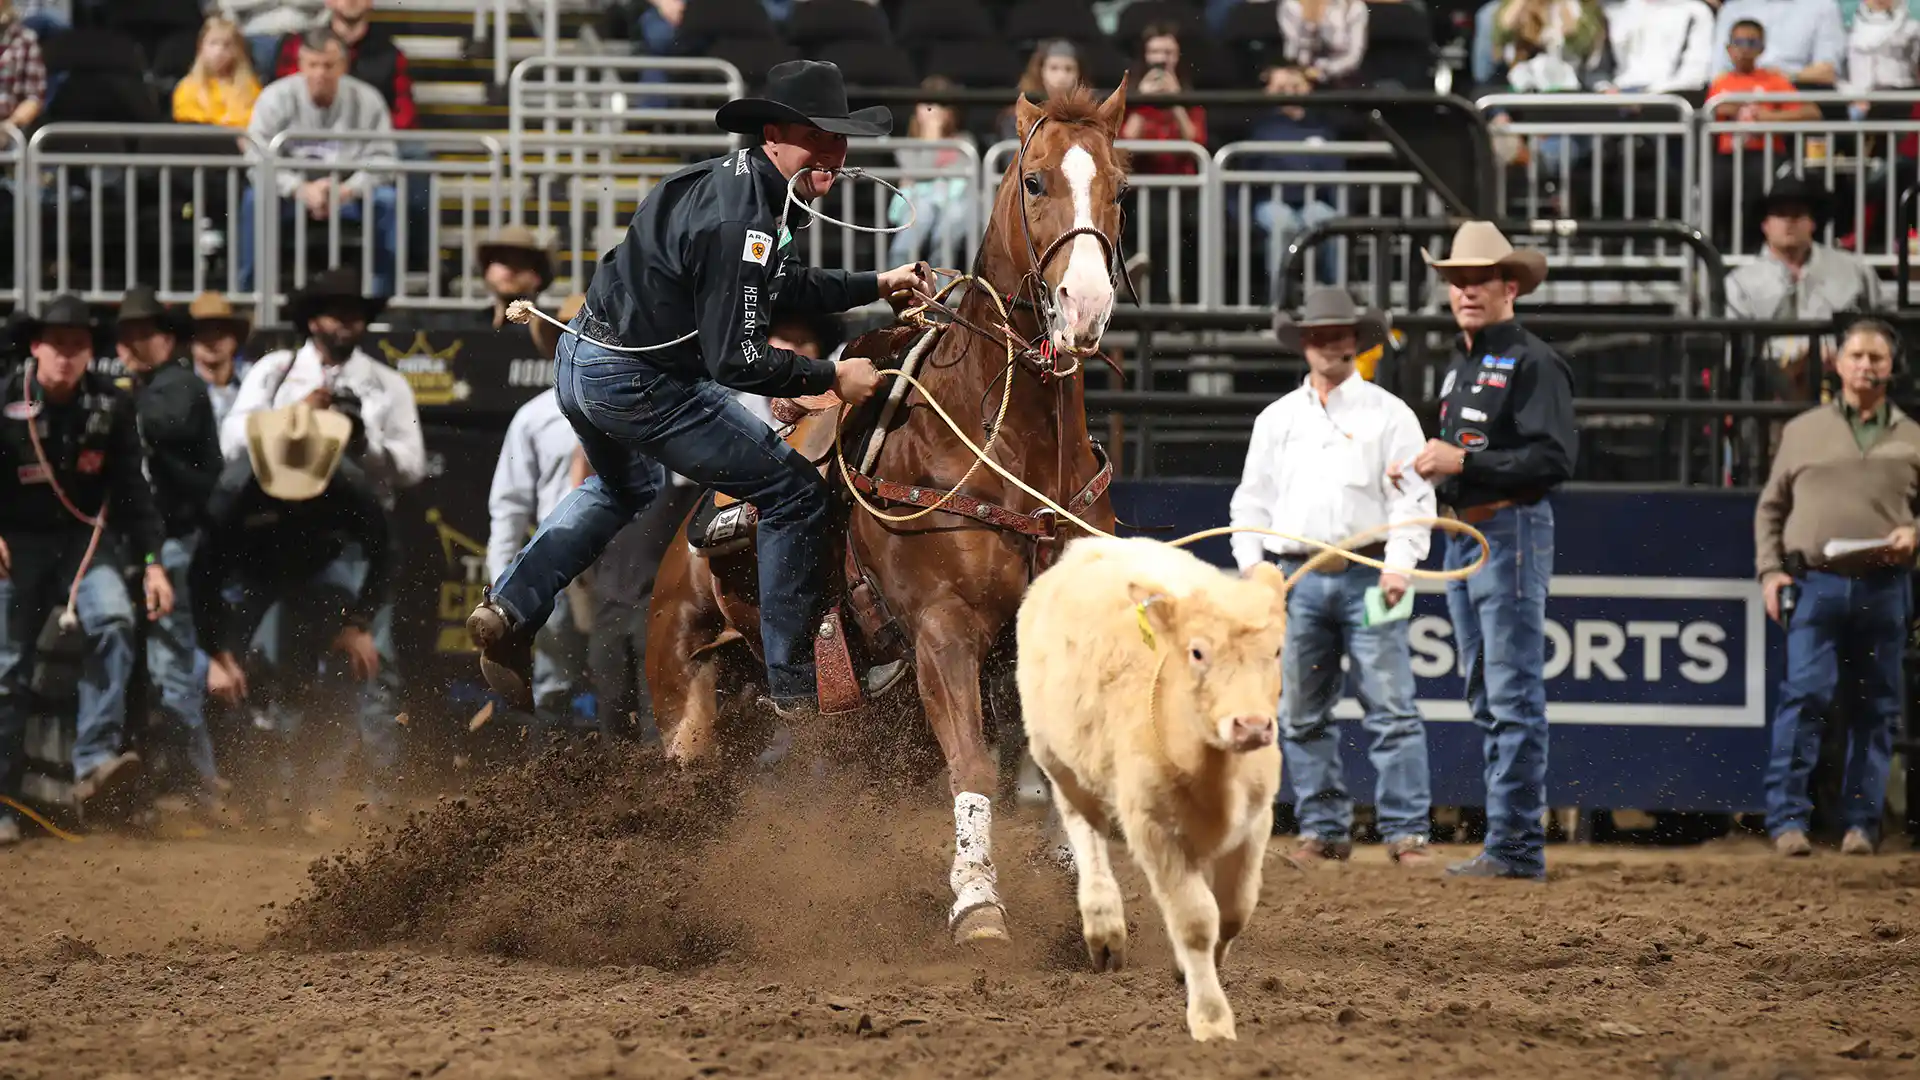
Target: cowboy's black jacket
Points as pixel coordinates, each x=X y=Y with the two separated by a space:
x=270 y=547
x=183 y=442
x=92 y=445
x=1508 y=400
x=707 y=250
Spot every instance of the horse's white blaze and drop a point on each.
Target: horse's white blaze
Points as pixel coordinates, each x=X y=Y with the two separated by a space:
x=1087 y=299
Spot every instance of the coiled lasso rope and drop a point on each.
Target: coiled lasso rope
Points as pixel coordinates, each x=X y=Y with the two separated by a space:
x=1328 y=552
x=525 y=311
x=52 y=829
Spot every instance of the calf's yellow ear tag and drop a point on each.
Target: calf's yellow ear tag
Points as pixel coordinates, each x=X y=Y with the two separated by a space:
x=1140 y=616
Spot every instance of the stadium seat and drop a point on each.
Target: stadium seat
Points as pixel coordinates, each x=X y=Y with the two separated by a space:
x=1030 y=23
x=1137 y=17
x=977 y=65
x=753 y=56
x=1399 y=45
x=172 y=60
x=711 y=19
x=1102 y=63
x=1252 y=35
x=923 y=24
x=870 y=64
x=817 y=22
x=1214 y=66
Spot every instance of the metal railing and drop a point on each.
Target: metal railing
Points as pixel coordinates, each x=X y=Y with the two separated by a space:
x=1264 y=208
x=1854 y=159
x=1626 y=169
x=553 y=100
x=107 y=202
x=404 y=198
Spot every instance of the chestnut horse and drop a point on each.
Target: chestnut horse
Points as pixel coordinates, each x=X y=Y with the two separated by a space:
x=952 y=578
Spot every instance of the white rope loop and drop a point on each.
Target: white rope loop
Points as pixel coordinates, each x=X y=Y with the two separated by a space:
x=525 y=311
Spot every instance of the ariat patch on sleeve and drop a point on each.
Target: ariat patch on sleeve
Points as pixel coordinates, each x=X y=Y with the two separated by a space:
x=759 y=246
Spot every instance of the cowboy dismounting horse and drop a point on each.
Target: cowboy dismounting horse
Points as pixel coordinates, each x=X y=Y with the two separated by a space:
x=937 y=575
x=676 y=315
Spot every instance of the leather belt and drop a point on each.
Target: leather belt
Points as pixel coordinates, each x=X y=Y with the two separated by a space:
x=1340 y=565
x=1481 y=513
x=594 y=328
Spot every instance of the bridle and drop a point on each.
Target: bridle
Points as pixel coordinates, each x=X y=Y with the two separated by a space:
x=1031 y=294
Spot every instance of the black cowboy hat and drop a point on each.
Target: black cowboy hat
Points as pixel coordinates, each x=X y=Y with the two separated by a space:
x=65 y=310
x=142 y=302
x=328 y=288
x=1330 y=307
x=1795 y=191
x=804 y=92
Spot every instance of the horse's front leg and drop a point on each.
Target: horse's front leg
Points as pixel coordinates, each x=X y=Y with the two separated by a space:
x=948 y=649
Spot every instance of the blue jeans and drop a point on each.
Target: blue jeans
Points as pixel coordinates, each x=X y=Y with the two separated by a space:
x=1860 y=625
x=178 y=669
x=1280 y=221
x=1499 y=621
x=291 y=643
x=633 y=418
x=557 y=663
x=380 y=235
x=1325 y=617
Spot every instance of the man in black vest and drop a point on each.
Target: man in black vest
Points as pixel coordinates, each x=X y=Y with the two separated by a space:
x=70 y=453
x=183 y=458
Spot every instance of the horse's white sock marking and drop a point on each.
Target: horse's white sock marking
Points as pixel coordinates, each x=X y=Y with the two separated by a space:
x=1089 y=289
x=973 y=876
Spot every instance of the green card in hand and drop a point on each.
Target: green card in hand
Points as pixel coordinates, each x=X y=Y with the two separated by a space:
x=1377 y=611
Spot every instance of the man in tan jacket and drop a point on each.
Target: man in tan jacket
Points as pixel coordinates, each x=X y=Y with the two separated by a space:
x=1849 y=471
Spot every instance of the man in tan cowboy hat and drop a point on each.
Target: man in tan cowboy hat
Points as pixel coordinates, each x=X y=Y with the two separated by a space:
x=183 y=458
x=1506 y=440
x=534 y=472
x=277 y=525
x=516 y=266
x=1317 y=468
x=218 y=333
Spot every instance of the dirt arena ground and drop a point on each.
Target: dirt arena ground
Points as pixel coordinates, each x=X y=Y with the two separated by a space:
x=587 y=923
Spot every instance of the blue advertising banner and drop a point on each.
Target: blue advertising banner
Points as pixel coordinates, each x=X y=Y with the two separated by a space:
x=1658 y=651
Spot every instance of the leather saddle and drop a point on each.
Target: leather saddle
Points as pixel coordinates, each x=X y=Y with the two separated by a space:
x=723 y=525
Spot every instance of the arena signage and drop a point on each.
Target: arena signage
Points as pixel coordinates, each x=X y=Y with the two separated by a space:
x=1676 y=652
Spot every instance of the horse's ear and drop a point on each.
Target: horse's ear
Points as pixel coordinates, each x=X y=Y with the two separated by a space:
x=1113 y=110
x=1026 y=114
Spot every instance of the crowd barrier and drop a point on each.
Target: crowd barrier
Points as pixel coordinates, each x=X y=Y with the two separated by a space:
x=588 y=137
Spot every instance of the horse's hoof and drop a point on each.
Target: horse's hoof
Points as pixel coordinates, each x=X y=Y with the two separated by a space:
x=985 y=923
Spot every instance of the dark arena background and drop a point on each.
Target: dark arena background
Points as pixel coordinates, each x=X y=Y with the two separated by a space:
x=591 y=910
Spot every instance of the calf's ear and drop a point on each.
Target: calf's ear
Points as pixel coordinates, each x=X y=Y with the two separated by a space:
x=1155 y=611
x=1269 y=575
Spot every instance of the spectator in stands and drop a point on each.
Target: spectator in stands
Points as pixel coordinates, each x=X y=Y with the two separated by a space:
x=23 y=71
x=218 y=332
x=1549 y=45
x=293 y=525
x=372 y=57
x=323 y=97
x=222 y=87
x=1796 y=278
x=331 y=371
x=1661 y=46
x=532 y=475
x=1054 y=68
x=1883 y=50
x=515 y=266
x=1845 y=471
x=942 y=209
x=1803 y=39
x=1324 y=39
x=183 y=460
x=1160 y=71
x=1735 y=180
x=71 y=457
x=1296 y=206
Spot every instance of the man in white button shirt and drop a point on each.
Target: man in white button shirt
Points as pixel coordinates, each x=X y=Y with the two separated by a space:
x=1317 y=468
x=331 y=371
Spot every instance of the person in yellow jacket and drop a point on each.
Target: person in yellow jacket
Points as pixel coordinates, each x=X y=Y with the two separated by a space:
x=222 y=87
